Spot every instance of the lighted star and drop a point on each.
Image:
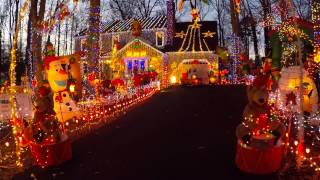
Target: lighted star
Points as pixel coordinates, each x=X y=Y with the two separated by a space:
x=195 y=25
x=180 y=34
x=208 y=34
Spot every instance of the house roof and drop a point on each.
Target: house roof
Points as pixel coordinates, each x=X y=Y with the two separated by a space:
x=125 y=25
x=137 y=44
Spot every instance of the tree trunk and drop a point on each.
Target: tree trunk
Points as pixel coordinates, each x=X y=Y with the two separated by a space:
x=253 y=24
x=28 y=55
x=255 y=43
x=18 y=52
x=0 y=48
x=266 y=6
x=234 y=18
x=220 y=26
x=66 y=39
x=93 y=39
x=59 y=35
x=71 y=35
x=10 y=24
x=37 y=16
x=284 y=10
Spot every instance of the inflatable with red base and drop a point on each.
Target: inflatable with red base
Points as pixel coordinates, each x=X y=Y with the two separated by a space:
x=50 y=154
x=259 y=161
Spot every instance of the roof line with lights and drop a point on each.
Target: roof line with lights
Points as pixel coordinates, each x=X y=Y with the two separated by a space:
x=142 y=42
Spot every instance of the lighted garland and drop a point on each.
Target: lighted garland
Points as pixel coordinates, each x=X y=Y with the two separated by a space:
x=102 y=111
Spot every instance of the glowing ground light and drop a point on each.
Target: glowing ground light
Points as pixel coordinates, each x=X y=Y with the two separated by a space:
x=173 y=79
x=72 y=88
x=212 y=79
x=307 y=150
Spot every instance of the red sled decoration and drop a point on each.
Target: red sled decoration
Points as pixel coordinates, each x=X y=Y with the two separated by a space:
x=52 y=154
x=257 y=161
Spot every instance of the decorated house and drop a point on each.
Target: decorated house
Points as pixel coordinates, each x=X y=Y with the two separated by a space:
x=173 y=50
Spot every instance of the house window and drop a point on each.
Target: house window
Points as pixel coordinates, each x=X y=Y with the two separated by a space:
x=159 y=39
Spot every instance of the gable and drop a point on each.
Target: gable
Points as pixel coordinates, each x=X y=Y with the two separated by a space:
x=137 y=47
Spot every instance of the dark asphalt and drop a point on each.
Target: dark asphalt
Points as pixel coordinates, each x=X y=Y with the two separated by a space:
x=180 y=133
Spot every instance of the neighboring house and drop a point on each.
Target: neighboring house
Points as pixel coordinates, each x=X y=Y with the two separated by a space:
x=158 y=43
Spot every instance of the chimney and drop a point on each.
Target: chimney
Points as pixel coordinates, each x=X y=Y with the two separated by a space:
x=171 y=21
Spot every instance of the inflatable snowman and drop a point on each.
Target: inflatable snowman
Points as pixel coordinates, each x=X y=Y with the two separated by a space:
x=57 y=74
x=289 y=85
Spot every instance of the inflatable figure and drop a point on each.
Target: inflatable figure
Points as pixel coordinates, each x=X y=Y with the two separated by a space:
x=57 y=74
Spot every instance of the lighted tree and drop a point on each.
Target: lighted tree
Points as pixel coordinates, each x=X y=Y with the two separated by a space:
x=93 y=38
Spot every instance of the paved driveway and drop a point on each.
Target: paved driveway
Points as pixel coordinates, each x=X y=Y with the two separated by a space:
x=180 y=133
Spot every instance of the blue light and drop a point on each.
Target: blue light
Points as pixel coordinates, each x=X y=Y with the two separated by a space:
x=142 y=65
x=130 y=65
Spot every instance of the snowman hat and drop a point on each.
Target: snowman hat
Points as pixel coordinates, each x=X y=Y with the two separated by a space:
x=48 y=60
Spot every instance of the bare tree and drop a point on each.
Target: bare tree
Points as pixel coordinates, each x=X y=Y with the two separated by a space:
x=125 y=9
x=122 y=9
x=3 y=18
x=266 y=11
x=146 y=7
x=234 y=18
x=253 y=25
x=28 y=54
x=303 y=8
x=221 y=10
x=66 y=37
x=59 y=38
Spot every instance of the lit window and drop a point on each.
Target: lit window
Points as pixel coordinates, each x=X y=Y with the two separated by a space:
x=159 y=39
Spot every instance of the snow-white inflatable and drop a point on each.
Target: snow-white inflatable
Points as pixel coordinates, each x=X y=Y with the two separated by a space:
x=289 y=88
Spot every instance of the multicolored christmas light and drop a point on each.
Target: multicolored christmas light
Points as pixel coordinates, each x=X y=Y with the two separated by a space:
x=316 y=29
x=234 y=51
